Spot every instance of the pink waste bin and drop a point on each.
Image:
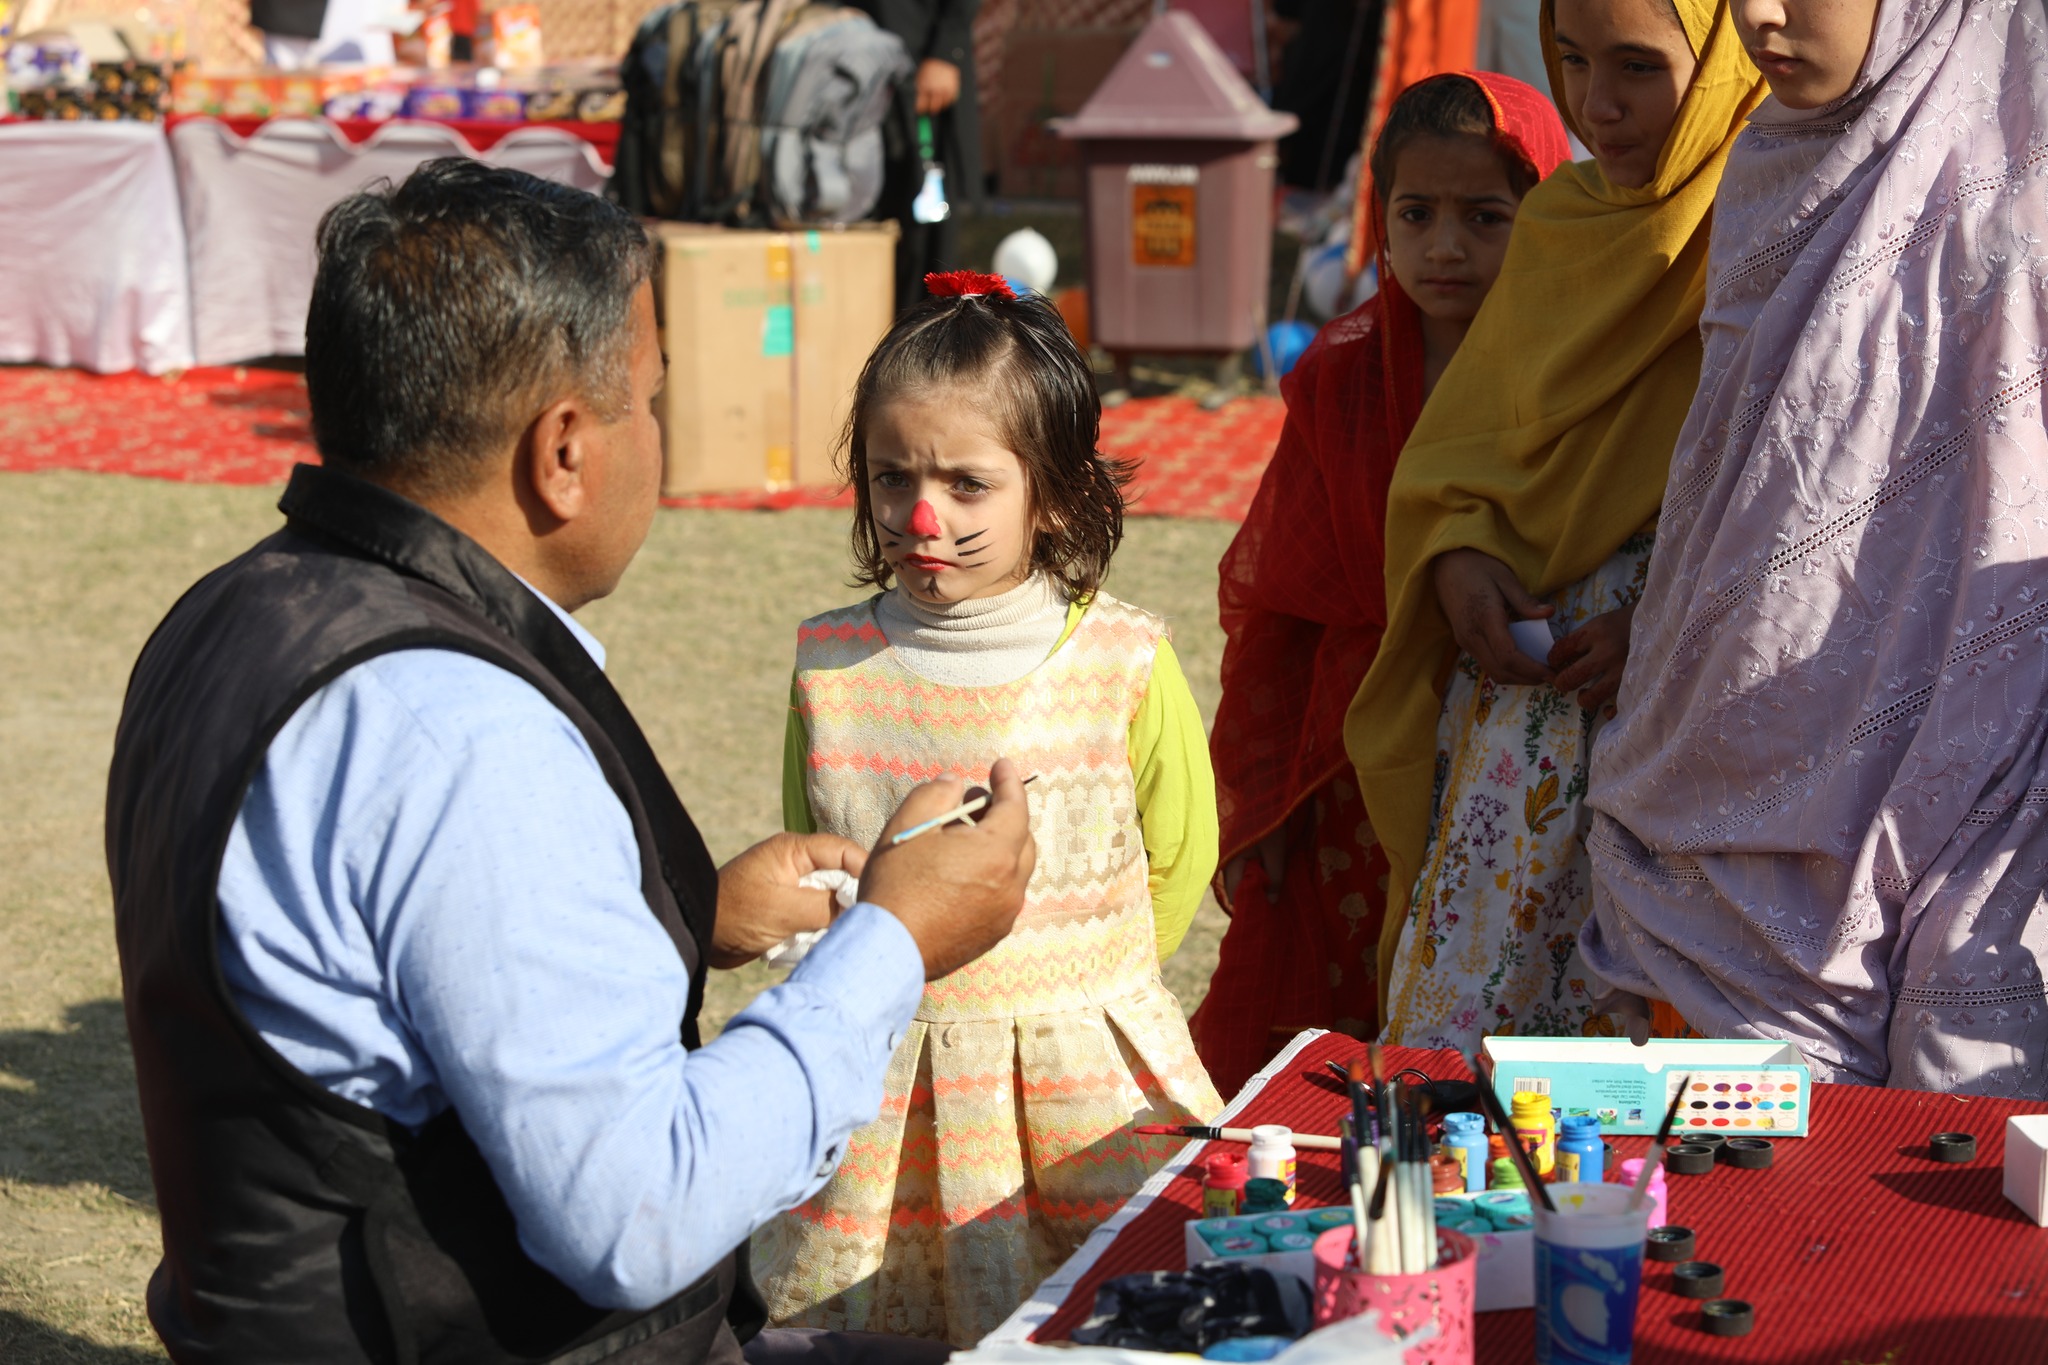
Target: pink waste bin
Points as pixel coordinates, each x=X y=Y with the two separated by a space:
x=1178 y=158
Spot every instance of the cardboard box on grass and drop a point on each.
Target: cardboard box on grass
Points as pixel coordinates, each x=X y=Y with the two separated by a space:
x=766 y=333
x=1742 y=1087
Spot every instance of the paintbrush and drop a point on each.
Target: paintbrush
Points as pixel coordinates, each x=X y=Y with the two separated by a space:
x=1425 y=1194
x=972 y=806
x=1383 y=1081
x=1655 y=1156
x=1354 y=1189
x=1397 y=1145
x=1384 y=1250
x=1411 y=1183
x=1517 y=1153
x=1312 y=1141
x=1361 y=1122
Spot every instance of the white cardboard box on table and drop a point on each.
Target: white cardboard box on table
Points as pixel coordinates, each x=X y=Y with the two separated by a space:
x=2026 y=1165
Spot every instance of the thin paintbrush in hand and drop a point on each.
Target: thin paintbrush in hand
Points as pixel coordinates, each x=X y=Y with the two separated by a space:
x=974 y=805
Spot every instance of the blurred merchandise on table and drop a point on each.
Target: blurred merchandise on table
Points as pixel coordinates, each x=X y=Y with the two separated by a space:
x=572 y=92
x=88 y=71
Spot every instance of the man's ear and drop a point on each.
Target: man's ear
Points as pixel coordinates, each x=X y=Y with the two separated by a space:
x=555 y=458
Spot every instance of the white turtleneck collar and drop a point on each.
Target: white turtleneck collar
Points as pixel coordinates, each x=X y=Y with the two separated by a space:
x=981 y=642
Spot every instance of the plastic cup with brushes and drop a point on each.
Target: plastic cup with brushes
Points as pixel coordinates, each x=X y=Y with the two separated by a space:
x=1392 y=1258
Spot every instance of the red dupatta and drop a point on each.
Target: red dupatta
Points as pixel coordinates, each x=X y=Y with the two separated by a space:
x=1303 y=593
x=1302 y=597
x=1303 y=605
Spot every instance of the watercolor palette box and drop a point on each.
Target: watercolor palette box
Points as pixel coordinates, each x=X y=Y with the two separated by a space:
x=1738 y=1086
x=1282 y=1243
x=1504 y=1278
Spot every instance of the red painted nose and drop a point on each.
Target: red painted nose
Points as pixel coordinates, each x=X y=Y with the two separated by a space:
x=923 y=520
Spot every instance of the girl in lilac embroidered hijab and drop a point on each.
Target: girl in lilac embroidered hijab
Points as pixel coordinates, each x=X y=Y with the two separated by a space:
x=1823 y=812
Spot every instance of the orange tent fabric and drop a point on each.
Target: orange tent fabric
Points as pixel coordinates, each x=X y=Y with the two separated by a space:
x=1418 y=38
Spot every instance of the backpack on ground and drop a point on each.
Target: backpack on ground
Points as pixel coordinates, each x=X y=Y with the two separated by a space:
x=828 y=90
x=664 y=137
x=756 y=112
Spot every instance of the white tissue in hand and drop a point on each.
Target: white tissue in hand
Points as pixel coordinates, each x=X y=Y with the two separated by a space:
x=1533 y=638
x=844 y=887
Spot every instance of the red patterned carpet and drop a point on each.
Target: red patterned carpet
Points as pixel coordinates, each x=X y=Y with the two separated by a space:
x=246 y=426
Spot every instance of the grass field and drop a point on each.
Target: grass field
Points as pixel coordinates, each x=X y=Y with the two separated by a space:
x=699 y=638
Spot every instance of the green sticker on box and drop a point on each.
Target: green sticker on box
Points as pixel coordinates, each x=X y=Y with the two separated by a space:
x=778 y=332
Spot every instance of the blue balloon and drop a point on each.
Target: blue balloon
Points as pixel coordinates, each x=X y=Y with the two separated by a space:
x=1287 y=341
x=1019 y=287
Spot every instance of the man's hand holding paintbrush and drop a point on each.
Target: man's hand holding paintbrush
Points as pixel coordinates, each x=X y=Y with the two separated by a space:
x=959 y=888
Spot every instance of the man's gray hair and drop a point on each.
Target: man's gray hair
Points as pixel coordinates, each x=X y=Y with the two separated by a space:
x=449 y=310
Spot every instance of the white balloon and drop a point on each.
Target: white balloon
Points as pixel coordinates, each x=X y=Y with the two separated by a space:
x=1027 y=256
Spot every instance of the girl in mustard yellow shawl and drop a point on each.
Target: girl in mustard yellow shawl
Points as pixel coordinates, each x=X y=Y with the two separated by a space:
x=1528 y=492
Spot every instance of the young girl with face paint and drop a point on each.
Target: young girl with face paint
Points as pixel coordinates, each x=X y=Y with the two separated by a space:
x=1302 y=597
x=1820 y=815
x=987 y=516
x=1528 y=492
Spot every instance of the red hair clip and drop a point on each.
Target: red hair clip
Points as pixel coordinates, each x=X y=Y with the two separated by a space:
x=964 y=284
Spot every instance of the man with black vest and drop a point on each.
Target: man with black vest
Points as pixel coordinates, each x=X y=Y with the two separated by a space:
x=413 y=929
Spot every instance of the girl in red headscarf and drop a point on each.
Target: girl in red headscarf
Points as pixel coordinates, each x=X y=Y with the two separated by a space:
x=1303 y=596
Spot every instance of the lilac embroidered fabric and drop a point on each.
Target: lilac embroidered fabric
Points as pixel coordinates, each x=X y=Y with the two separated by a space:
x=1819 y=816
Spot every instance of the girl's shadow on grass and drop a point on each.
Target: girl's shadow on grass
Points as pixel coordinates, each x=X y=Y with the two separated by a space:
x=68 y=1112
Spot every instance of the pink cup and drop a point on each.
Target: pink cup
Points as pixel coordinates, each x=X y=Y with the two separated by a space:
x=1442 y=1296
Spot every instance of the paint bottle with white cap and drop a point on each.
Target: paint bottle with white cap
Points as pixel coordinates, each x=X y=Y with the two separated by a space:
x=1272 y=1155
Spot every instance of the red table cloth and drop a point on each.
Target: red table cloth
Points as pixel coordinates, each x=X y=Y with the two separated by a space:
x=1855 y=1248
x=482 y=134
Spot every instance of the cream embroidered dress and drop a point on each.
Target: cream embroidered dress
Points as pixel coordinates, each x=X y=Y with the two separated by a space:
x=1492 y=940
x=1005 y=1134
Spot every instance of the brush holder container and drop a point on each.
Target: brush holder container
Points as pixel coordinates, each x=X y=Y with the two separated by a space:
x=1442 y=1297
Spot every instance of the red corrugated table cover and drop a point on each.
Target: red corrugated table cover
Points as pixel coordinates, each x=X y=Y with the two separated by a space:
x=1855 y=1248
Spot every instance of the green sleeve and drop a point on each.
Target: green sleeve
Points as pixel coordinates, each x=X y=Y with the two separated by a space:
x=796 y=762
x=1176 y=799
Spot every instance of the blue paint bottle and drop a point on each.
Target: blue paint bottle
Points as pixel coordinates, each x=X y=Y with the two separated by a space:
x=1581 y=1155
x=1465 y=1139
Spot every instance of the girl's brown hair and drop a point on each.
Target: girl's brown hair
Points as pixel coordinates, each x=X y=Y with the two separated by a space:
x=1033 y=383
x=1443 y=106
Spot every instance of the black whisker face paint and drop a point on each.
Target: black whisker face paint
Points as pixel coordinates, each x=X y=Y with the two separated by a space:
x=976 y=536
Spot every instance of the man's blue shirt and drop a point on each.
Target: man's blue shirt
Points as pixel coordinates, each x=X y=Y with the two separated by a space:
x=431 y=897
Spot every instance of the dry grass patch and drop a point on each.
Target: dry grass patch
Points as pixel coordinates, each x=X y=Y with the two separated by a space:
x=700 y=639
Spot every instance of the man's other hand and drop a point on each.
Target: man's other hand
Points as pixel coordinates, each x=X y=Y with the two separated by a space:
x=759 y=901
x=938 y=89
x=957 y=889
